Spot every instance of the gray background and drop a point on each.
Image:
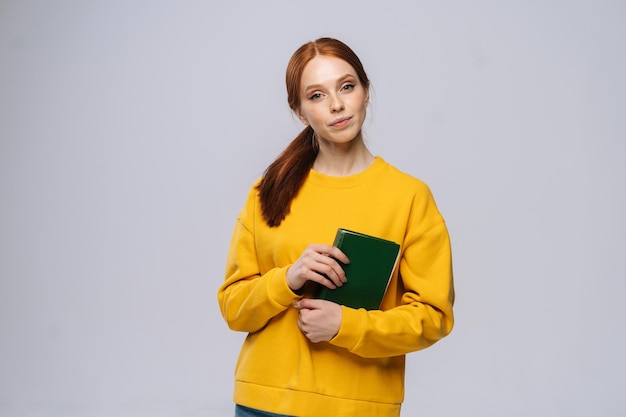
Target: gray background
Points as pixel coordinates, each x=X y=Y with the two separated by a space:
x=130 y=132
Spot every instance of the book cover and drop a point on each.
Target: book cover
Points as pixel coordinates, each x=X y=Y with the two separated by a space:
x=372 y=262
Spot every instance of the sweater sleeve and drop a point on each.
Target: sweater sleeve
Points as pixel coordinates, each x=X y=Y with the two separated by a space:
x=424 y=314
x=248 y=299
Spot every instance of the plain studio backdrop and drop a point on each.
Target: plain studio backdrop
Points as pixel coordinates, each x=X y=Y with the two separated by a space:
x=130 y=132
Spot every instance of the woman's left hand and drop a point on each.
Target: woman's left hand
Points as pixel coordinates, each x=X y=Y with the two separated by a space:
x=319 y=320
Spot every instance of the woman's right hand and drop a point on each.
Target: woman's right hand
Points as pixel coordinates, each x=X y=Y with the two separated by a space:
x=318 y=263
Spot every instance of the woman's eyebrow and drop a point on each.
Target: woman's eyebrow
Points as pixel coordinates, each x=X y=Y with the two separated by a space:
x=344 y=78
x=339 y=81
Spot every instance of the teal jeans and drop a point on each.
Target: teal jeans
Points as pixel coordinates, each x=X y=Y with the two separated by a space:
x=241 y=411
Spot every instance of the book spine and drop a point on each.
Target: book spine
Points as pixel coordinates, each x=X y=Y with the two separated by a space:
x=338 y=238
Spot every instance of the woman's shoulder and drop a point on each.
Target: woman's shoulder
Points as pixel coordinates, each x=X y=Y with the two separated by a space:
x=252 y=198
x=402 y=178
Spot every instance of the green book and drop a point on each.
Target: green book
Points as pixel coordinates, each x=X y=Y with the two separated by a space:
x=372 y=262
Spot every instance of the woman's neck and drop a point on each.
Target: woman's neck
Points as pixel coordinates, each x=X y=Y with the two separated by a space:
x=340 y=161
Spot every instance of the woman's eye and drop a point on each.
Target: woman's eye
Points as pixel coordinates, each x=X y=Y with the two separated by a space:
x=347 y=87
x=315 y=96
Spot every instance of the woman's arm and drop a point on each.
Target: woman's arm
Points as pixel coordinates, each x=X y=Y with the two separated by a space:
x=424 y=315
x=249 y=299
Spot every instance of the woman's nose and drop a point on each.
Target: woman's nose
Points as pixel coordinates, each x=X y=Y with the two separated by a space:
x=336 y=104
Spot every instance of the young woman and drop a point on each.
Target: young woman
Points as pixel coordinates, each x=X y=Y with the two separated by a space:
x=309 y=357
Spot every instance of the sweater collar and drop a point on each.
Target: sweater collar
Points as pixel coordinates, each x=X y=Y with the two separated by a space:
x=362 y=177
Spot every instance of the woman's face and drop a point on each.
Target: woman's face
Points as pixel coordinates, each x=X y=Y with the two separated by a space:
x=333 y=100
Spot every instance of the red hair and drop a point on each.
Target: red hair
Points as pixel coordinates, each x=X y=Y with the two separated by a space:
x=284 y=177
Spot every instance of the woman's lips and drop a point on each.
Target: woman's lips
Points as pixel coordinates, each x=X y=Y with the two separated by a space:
x=342 y=122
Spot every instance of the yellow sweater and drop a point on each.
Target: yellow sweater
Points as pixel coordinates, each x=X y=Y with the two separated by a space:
x=360 y=372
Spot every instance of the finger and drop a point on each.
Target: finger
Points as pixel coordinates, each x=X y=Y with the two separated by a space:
x=337 y=254
x=327 y=265
x=311 y=304
x=300 y=304
x=323 y=270
x=332 y=270
x=326 y=281
x=316 y=272
x=320 y=248
x=318 y=264
x=329 y=250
